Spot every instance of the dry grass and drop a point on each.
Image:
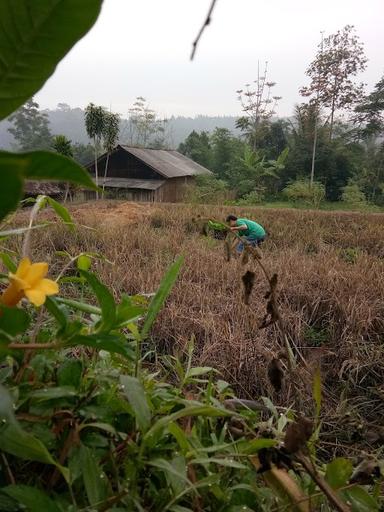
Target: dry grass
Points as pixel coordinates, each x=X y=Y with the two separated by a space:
x=331 y=289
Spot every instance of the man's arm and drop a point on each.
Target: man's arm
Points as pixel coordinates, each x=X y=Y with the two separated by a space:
x=242 y=227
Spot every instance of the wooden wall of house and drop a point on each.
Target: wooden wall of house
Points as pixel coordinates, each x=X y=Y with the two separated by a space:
x=124 y=165
x=173 y=190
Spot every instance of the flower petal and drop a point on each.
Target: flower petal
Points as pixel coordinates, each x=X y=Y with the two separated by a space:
x=37 y=297
x=47 y=286
x=23 y=267
x=35 y=273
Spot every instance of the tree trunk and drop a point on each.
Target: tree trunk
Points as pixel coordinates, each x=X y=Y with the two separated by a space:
x=314 y=153
x=66 y=192
x=96 y=169
x=105 y=173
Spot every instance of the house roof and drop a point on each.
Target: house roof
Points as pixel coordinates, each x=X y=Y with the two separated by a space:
x=132 y=183
x=168 y=163
x=41 y=187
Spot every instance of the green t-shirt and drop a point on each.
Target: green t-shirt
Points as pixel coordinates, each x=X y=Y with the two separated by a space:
x=253 y=230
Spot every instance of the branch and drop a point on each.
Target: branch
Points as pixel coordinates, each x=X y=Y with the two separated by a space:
x=33 y=346
x=205 y=24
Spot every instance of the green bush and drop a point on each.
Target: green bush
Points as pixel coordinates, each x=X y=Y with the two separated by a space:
x=353 y=195
x=302 y=191
x=254 y=197
x=208 y=189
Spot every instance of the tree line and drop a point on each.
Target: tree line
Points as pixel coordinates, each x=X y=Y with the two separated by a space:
x=332 y=148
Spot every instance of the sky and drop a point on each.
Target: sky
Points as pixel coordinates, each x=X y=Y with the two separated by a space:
x=142 y=48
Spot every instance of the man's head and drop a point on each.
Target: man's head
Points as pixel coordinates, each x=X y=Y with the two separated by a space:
x=231 y=219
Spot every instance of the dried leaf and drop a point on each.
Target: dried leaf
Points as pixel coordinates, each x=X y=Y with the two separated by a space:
x=284 y=485
x=275 y=374
x=297 y=435
x=248 y=282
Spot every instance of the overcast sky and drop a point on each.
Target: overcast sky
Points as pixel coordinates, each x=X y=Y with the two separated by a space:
x=142 y=47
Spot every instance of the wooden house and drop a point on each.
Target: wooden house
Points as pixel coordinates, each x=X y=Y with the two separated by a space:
x=139 y=174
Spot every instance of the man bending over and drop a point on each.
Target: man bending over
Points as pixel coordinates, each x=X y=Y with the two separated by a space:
x=253 y=233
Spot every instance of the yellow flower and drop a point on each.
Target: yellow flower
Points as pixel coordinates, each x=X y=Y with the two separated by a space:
x=29 y=281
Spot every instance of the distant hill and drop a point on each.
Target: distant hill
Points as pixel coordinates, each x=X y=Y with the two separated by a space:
x=70 y=122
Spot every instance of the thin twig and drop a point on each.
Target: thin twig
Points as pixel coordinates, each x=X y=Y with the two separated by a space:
x=205 y=24
x=33 y=346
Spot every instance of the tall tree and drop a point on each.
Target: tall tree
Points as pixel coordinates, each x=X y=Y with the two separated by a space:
x=370 y=111
x=258 y=104
x=145 y=127
x=197 y=146
x=30 y=127
x=110 y=137
x=94 y=124
x=339 y=59
x=62 y=145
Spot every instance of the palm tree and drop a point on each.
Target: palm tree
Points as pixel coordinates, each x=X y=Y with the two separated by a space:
x=110 y=138
x=94 y=124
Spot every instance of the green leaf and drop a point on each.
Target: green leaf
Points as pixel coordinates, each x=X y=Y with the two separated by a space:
x=31 y=498
x=127 y=312
x=83 y=262
x=105 y=299
x=11 y=190
x=180 y=436
x=79 y=306
x=93 y=483
x=175 y=471
x=69 y=373
x=252 y=446
x=194 y=410
x=114 y=343
x=62 y=212
x=135 y=393
x=161 y=295
x=13 y=321
x=316 y=391
x=14 y=440
x=360 y=500
x=56 y=311
x=230 y=463
x=8 y=262
x=53 y=393
x=42 y=165
x=34 y=37
x=338 y=472
x=198 y=370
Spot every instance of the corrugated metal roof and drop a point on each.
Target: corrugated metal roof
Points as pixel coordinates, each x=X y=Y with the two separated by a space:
x=132 y=183
x=168 y=163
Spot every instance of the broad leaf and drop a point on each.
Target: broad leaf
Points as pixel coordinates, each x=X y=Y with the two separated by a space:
x=13 y=321
x=134 y=391
x=69 y=373
x=44 y=394
x=56 y=311
x=252 y=446
x=11 y=190
x=62 y=212
x=94 y=486
x=83 y=262
x=360 y=500
x=31 y=498
x=42 y=165
x=14 y=440
x=161 y=295
x=8 y=262
x=338 y=472
x=114 y=343
x=227 y=462
x=34 y=37
x=104 y=298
